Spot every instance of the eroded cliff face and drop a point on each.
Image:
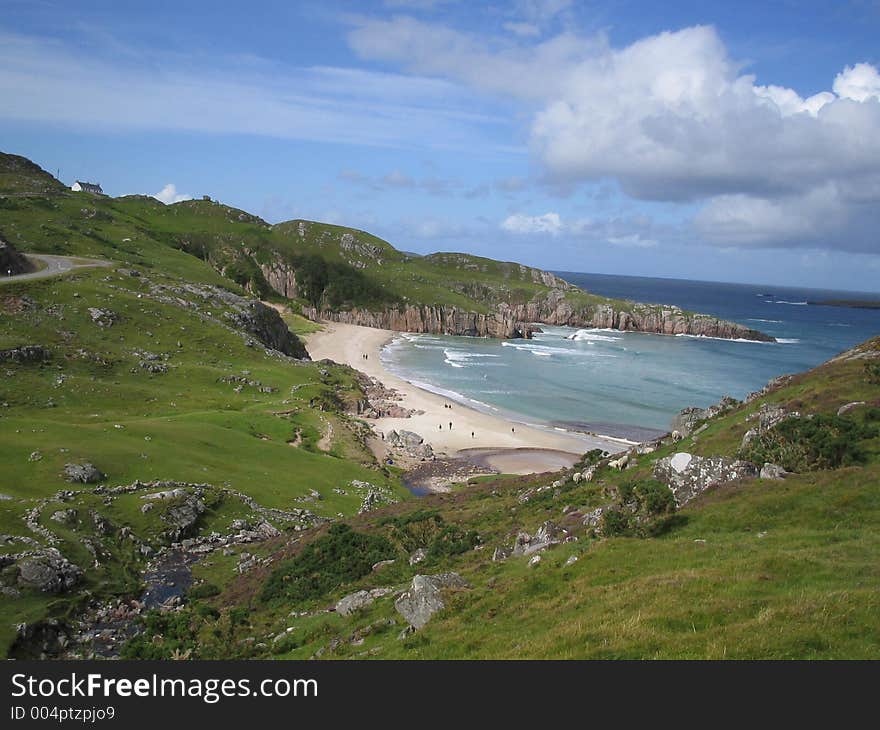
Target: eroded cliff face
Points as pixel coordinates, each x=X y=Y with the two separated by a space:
x=508 y=322
x=432 y=320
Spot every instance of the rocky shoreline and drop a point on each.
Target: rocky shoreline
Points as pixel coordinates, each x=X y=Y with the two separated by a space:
x=519 y=321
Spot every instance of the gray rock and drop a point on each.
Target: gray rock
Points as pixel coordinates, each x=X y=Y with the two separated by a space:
x=65 y=516
x=47 y=570
x=572 y=559
x=183 y=516
x=424 y=599
x=547 y=535
x=418 y=556
x=353 y=602
x=381 y=564
x=686 y=420
x=26 y=354
x=535 y=559
x=773 y=471
x=688 y=475
x=83 y=473
x=849 y=406
x=103 y=317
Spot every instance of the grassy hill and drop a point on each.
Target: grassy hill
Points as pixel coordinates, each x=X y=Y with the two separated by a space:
x=326 y=269
x=755 y=568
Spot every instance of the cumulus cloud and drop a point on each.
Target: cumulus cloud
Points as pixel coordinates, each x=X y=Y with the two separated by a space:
x=530 y=224
x=672 y=117
x=169 y=195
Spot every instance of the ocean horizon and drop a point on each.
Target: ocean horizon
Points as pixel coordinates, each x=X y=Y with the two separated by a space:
x=627 y=384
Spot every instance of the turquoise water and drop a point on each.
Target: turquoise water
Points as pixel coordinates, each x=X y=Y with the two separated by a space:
x=628 y=384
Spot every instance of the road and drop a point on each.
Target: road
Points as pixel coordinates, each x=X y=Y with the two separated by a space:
x=54 y=265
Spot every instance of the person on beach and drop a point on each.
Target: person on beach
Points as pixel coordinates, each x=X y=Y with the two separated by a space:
x=450 y=425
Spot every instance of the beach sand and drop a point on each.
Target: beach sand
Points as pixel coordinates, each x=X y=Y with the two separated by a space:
x=509 y=447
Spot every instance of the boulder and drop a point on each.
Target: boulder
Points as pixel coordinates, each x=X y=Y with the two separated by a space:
x=26 y=354
x=773 y=471
x=183 y=516
x=418 y=556
x=424 y=599
x=353 y=602
x=686 y=420
x=547 y=535
x=688 y=475
x=47 y=570
x=83 y=473
x=849 y=406
x=103 y=317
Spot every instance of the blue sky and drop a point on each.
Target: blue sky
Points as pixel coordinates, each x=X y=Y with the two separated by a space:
x=712 y=140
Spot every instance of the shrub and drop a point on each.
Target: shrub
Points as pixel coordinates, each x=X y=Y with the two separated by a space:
x=872 y=372
x=452 y=541
x=615 y=522
x=810 y=444
x=205 y=590
x=340 y=556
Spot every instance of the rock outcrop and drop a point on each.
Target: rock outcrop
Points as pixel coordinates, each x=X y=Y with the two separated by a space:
x=26 y=354
x=82 y=473
x=11 y=261
x=514 y=321
x=689 y=476
x=424 y=599
x=266 y=325
x=46 y=570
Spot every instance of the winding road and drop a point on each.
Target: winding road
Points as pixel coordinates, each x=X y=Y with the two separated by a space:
x=54 y=265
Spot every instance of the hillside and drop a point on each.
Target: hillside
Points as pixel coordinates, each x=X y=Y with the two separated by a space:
x=331 y=272
x=684 y=552
x=178 y=480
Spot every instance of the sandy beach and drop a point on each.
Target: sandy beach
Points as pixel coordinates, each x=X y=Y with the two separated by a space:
x=509 y=447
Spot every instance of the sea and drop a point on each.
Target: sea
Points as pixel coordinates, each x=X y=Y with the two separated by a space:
x=630 y=385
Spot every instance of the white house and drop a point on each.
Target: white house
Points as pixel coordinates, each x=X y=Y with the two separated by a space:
x=87 y=187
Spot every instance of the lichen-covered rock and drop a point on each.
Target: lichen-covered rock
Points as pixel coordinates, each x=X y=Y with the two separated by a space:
x=424 y=599
x=47 y=570
x=688 y=475
x=103 y=317
x=353 y=602
x=686 y=420
x=83 y=473
x=773 y=471
x=183 y=516
x=26 y=354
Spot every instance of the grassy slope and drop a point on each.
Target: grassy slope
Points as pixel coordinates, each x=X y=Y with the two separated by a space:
x=93 y=402
x=758 y=569
x=143 y=232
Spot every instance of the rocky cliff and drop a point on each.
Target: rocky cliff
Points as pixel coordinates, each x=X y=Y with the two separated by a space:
x=515 y=321
x=11 y=261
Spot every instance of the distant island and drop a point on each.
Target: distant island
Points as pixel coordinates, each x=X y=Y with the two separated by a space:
x=851 y=303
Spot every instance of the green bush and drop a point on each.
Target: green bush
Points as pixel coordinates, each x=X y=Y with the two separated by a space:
x=615 y=522
x=205 y=590
x=872 y=372
x=341 y=556
x=811 y=444
x=452 y=541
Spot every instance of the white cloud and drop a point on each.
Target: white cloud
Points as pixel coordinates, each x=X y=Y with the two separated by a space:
x=632 y=240
x=522 y=29
x=54 y=82
x=525 y=224
x=860 y=83
x=672 y=117
x=169 y=195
